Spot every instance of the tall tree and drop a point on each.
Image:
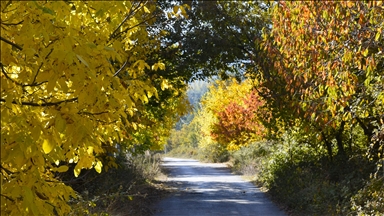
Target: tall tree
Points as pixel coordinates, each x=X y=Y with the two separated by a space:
x=74 y=81
x=217 y=38
x=324 y=65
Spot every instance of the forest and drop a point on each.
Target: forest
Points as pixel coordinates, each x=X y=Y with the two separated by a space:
x=291 y=93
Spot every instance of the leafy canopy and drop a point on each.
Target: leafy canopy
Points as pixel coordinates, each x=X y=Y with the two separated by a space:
x=74 y=78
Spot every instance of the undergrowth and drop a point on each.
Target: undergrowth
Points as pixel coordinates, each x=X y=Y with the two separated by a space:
x=308 y=183
x=126 y=190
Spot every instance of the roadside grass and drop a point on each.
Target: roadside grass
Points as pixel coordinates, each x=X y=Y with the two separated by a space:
x=183 y=152
x=302 y=183
x=129 y=189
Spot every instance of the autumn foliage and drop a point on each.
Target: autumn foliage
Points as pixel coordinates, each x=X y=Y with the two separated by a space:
x=74 y=83
x=238 y=123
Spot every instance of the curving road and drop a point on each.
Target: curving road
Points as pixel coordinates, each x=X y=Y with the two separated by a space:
x=210 y=189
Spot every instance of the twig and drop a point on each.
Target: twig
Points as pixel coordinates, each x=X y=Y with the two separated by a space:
x=9 y=198
x=117 y=72
x=43 y=104
x=10 y=43
x=13 y=23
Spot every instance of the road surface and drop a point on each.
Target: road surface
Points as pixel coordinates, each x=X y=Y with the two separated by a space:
x=210 y=189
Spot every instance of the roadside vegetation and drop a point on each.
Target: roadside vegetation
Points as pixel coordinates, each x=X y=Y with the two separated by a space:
x=306 y=122
x=130 y=188
x=294 y=168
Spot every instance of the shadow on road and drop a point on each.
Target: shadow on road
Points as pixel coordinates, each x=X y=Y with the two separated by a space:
x=211 y=189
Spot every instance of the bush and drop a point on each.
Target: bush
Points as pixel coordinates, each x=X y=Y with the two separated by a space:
x=183 y=151
x=312 y=184
x=370 y=199
x=213 y=152
x=248 y=159
x=118 y=190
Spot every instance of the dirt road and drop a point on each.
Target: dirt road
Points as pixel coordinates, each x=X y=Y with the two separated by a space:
x=211 y=189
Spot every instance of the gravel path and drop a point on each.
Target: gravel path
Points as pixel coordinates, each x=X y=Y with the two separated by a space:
x=210 y=189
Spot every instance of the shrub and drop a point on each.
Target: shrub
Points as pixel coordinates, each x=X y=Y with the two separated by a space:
x=213 y=152
x=118 y=189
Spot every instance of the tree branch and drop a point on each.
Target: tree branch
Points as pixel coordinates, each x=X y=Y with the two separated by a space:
x=10 y=43
x=89 y=113
x=18 y=83
x=8 y=197
x=13 y=23
x=43 y=104
x=117 y=72
x=125 y=19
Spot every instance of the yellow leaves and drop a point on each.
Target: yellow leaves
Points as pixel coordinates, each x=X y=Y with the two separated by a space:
x=90 y=150
x=98 y=166
x=176 y=9
x=48 y=146
x=378 y=33
x=182 y=8
x=82 y=60
x=77 y=171
x=69 y=54
x=164 y=84
x=60 y=123
x=141 y=65
x=157 y=66
x=63 y=168
x=350 y=4
x=146 y=10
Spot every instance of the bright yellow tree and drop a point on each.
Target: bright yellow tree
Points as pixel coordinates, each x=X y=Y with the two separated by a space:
x=71 y=80
x=220 y=95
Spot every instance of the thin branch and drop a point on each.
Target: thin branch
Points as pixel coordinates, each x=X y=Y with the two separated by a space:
x=9 y=198
x=89 y=113
x=18 y=83
x=43 y=104
x=117 y=72
x=37 y=72
x=129 y=28
x=113 y=33
x=9 y=172
x=8 y=3
x=125 y=19
x=8 y=24
x=10 y=43
x=6 y=75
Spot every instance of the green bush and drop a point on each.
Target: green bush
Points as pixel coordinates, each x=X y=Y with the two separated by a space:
x=183 y=151
x=370 y=199
x=213 y=152
x=311 y=184
x=248 y=159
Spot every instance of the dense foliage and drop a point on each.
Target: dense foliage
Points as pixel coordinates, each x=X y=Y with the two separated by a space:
x=76 y=80
x=300 y=102
x=318 y=77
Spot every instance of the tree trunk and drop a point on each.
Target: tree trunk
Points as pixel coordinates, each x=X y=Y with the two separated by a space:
x=339 y=140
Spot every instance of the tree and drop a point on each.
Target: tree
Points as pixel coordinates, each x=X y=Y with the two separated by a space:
x=239 y=123
x=234 y=113
x=323 y=65
x=74 y=77
x=217 y=39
